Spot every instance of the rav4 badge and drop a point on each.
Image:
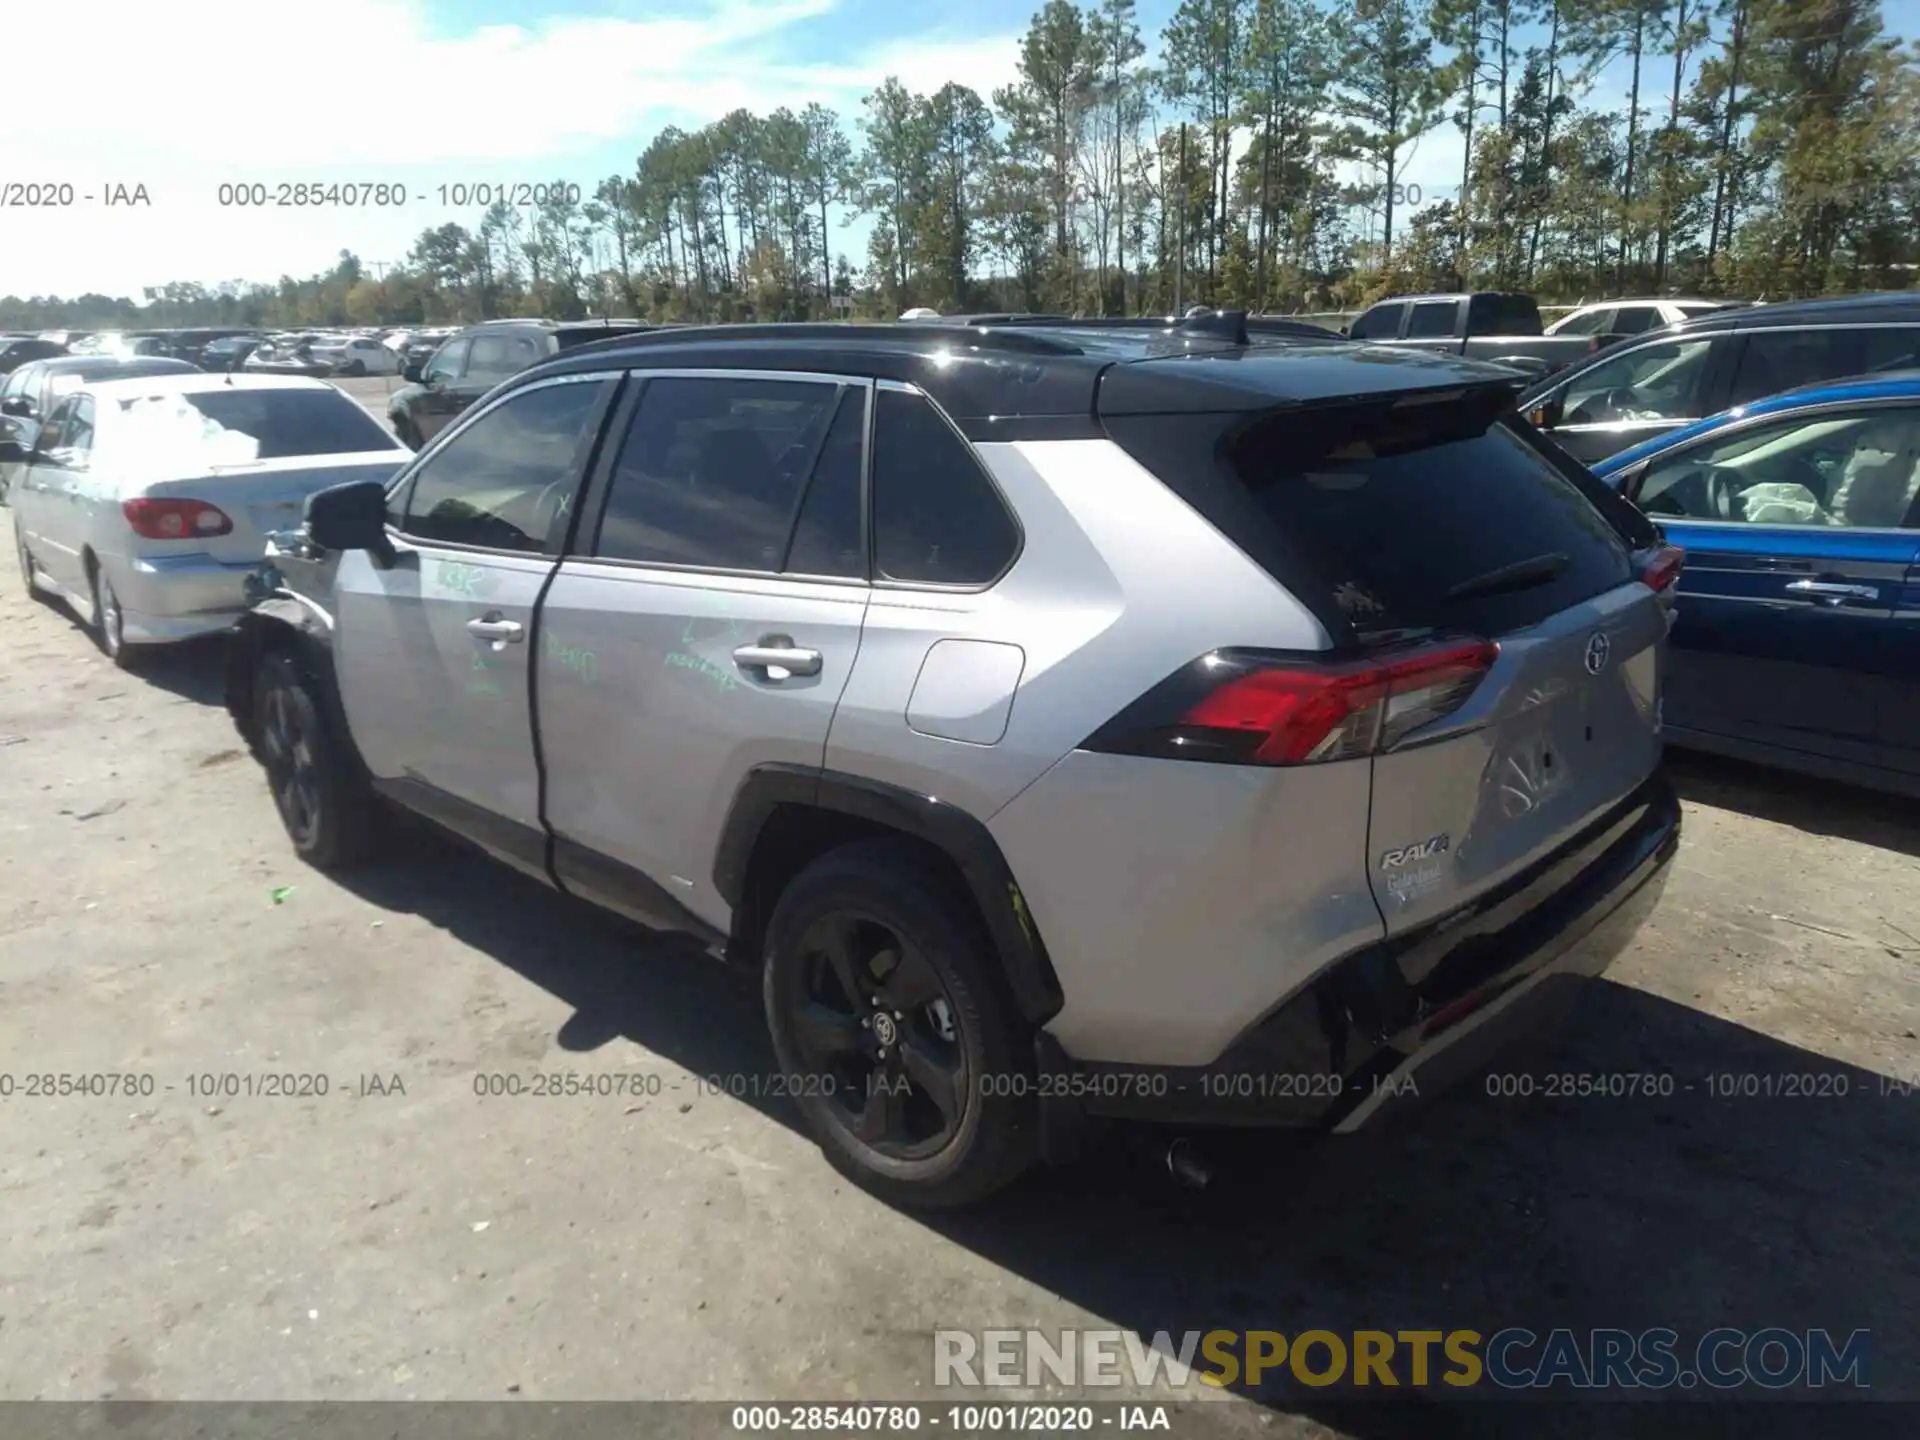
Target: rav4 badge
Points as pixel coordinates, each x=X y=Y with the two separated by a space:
x=1407 y=854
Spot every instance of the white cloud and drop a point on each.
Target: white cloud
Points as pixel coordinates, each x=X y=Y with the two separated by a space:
x=365 y=90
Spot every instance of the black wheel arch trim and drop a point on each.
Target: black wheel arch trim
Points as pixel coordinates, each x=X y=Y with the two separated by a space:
x=962 y=837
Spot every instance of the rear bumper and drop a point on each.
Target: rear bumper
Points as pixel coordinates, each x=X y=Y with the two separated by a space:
x=1401 y=1019
x=178 y=597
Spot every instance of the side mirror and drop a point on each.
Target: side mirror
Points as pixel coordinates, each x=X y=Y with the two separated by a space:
x=1545 y=414
x=412 y=372
x=16 y=405
x=352 y=516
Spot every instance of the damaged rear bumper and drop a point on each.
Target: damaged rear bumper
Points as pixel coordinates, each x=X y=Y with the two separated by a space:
x=1404 y=1017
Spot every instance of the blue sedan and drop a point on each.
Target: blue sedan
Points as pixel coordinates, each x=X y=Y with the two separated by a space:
x=1796 y=639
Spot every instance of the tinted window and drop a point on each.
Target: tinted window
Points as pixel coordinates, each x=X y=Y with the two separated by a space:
x=827 y=538
x=285 y=422
x=495 y=357
x=1857 y=470
x=504 y=478
x=1776 y=360
x=1394 y=514
x=1380 y=323
x=936 y=517
x=1636 y=320
x=1649 y=382
x=1432 y=320
x=447 y=361
x=21 y=382
x=1893 y=348
x=1502 y=315
x=711 y=471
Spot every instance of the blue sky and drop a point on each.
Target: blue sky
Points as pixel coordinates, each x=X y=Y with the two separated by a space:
x=184 y=96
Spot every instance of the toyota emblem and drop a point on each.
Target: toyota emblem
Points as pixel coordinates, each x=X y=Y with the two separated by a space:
x=1598 y=649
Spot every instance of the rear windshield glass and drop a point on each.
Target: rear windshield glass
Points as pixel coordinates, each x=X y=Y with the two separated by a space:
x=285 y=423
x=1429 y=525
x=1503 y=315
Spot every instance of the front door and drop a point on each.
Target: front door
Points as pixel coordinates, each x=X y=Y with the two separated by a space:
x=1629 y=397
x=433 y=650
x=708 y=628
x=439 y=398
x=1784 y=632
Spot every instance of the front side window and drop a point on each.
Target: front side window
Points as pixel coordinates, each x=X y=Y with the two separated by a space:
x=1380 y=323
x=1855 y=469
x=503 y=480
x=1635 y=320
x=77 y=438
x=53 y=433
x=1649 y=382
x=937 y=518
x=1593 y=322
x=447 y=361
x=712 y=469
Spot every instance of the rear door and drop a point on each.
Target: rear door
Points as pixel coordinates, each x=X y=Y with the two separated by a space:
x=707 y=623
x=1785 y=633
x=433 y=650
x=1424 y=529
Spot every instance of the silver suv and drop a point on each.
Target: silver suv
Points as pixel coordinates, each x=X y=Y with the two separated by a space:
x=1068 y=721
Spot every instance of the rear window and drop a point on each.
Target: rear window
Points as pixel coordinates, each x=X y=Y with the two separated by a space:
x=1503 y=315
x=1411 y=524
x=285 y=423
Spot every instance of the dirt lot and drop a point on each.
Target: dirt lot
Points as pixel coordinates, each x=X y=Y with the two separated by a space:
x=435 y=1244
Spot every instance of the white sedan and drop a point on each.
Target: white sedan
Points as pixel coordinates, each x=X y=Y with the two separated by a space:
x=146 y=503
x=356 y=355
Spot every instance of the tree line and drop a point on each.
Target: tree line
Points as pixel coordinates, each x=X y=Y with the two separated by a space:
x=1765 y=148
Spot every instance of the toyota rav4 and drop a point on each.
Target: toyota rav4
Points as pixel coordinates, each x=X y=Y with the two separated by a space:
x=1065 y=720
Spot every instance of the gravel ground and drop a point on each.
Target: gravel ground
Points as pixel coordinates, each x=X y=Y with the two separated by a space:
x=401 y=1237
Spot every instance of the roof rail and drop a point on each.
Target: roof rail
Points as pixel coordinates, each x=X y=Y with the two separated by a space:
x=907 y=333
x=1234 y=326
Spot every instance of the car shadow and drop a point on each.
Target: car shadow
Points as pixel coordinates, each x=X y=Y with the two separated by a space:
x=191 y=669
x=1805 y=802
x=1482 y=1209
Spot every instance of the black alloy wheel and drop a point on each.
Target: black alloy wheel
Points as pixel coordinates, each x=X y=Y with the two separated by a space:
x=872 y=1014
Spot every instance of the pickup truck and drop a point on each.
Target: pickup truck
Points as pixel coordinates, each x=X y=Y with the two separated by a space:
x=1492 y=325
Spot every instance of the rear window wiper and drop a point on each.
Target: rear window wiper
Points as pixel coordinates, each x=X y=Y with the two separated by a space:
x=1520 y=575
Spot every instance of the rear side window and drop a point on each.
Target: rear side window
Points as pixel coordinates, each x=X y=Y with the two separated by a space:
x=712 y=469
x=1636 y=320
x=1380 y=323
x=1429 y=524
x=1594 y=322
x=1776 y=360
x=937 y=519
x=495 y=357
x=1433 y=320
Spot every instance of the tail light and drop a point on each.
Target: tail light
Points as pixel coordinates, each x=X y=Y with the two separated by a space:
x=176 y=519
x=1246 y=707
x=1660 y=567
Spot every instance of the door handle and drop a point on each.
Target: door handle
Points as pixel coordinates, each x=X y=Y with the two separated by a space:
x=1827 y=592
x=492 y=627
x=778 y=652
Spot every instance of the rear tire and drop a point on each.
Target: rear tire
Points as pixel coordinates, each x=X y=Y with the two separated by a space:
x=356 y=370
x=110 y=622
x=329 y=811
x=935 y=1013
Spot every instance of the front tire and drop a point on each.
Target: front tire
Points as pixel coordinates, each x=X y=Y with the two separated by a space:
x=325 y=804
x=357 y=370
x=27 y=581
x=896 y=1031
x=403 y=430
